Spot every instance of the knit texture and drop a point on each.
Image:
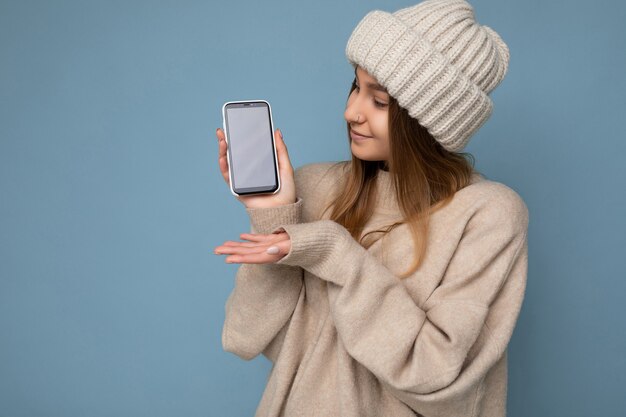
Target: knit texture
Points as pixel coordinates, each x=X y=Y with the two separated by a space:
x=348 y=338
x=437 y=61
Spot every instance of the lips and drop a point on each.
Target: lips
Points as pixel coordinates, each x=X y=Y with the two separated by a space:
x=359 y=136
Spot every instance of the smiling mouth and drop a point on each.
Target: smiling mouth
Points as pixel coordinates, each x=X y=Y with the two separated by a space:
x=358 y=136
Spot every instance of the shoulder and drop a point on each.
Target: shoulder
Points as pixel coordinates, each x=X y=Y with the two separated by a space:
x=317 y=169
x=488 y=203
x=315 y=185
x=314 y=176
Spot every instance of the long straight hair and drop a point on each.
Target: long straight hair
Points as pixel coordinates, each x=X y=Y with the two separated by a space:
x=424 y=174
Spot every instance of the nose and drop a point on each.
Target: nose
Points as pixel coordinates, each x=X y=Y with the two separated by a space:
x=353 y=110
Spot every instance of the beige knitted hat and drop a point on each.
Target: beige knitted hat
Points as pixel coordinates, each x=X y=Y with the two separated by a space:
x=437 y=61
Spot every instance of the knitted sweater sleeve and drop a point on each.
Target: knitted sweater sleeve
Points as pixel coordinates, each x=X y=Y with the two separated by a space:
x=265 y=295
x=416 y=350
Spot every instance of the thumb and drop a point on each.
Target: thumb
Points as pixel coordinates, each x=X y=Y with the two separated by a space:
x=273 y=250
x=279 y=248
x=281 y=150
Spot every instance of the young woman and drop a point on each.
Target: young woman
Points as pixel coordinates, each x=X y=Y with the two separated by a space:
x=390 y=284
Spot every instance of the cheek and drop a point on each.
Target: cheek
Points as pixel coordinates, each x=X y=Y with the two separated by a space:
x=379 y=124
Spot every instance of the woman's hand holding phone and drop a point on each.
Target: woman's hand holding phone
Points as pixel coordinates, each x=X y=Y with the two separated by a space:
x=287 y=192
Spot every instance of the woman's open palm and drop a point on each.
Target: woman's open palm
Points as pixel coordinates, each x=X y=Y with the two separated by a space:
x=255 y=251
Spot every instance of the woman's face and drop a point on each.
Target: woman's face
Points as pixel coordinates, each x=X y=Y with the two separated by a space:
x=370 y=103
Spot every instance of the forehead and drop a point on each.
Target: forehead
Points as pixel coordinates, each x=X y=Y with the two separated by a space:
x=364 y=75
x=369 y=80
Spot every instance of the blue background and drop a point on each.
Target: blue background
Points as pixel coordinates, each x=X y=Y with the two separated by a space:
x=111 y=299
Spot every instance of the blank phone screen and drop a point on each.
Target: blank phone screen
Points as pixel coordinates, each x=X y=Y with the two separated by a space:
x=253 y=168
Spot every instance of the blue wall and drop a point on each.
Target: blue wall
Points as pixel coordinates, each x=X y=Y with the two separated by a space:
x=111 y=299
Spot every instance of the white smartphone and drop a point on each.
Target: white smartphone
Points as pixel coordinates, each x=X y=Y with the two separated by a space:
x=250 y=147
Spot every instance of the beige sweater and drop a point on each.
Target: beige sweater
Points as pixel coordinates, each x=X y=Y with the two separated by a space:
x=348 y=338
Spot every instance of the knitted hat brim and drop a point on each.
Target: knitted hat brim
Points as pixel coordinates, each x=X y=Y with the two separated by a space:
x=422 y=79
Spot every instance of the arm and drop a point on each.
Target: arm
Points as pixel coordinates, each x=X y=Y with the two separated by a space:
x=265 y=295
x=417 y=350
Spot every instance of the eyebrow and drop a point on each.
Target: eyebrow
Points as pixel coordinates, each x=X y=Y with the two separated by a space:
x=374 y=86
x=377 y=87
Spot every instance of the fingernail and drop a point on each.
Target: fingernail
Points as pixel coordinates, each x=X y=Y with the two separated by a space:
x=273 y=250
x=280 y=132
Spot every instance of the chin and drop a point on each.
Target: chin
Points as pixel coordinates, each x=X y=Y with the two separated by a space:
x=365 y=156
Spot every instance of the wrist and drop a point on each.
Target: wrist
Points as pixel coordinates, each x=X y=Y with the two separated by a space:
x=318 y=247
x=264 y=220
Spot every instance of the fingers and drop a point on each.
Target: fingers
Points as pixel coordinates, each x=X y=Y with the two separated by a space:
x=257 y=237
x=281 y=150
x=223 y=164
x=279 y=249
x=257 y=258
x=229 y=245
x=252 y=237
x=255 y=240
x=258 y=243
x=222 y=159
x=260 y=255
x=238 y=249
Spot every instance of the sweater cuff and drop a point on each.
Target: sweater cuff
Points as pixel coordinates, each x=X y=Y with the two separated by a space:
x=320 y=247
x=264 y=220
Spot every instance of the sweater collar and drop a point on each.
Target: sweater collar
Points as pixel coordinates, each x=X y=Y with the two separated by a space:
x=385 y=200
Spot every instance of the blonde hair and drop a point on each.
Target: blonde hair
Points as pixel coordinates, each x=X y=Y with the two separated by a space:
x=425 y=176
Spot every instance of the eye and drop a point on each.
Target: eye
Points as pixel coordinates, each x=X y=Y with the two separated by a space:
x=379 y=104
x=376 y=102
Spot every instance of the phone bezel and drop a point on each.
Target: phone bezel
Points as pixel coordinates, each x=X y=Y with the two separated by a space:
x=269 y=107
